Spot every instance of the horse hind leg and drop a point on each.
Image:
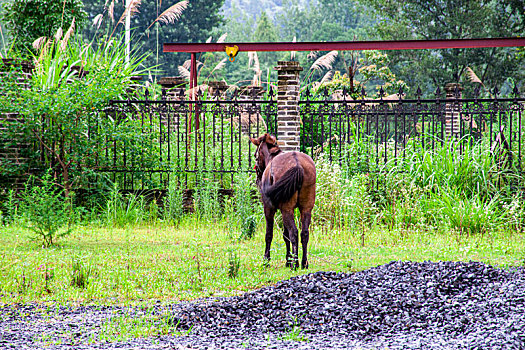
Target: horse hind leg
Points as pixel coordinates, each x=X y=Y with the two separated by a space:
x=269 y=214
x=289 y=224
x=286 y=238
x=306 y=218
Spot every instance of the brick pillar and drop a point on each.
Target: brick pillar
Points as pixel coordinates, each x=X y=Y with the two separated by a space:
x=288 y=119
x=453 y=109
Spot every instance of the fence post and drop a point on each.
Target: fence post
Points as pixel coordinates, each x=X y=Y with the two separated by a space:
x=453 y=109
x=288 y=119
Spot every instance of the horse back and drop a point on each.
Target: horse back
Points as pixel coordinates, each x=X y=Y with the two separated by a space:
x=285 y=161
x=287 y=174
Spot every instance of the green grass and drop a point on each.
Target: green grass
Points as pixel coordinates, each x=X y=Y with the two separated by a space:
x=159 y=262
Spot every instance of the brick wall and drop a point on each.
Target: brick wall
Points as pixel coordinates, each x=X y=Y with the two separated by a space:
x=288 y=118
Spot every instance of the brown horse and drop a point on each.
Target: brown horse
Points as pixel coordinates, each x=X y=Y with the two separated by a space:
x=286 y=181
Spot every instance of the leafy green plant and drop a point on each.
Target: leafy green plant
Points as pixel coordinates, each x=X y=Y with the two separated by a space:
x=46 y=210
x=64 y=114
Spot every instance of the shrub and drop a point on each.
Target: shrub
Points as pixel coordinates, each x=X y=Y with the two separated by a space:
x=47 y=211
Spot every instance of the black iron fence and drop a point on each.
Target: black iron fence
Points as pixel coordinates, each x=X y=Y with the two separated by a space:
x=370 y=133
x=209 y=138
x=191 y=140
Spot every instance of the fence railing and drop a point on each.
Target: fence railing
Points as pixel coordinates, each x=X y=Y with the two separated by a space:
x=209 y=139
x=370 y=133
x=191 y=140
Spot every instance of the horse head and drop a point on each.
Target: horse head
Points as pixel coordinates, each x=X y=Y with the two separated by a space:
x=267 y=149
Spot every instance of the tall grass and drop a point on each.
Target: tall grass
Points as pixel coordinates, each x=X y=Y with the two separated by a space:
x=453 y=186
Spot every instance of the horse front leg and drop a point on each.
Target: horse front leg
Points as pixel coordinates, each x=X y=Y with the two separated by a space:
x=269 y=214
x=289 y=224
x=306 y=218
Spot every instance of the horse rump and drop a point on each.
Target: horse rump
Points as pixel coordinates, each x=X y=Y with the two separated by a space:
x=284 y=188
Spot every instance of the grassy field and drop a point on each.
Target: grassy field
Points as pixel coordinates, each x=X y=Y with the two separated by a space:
x=158 y=262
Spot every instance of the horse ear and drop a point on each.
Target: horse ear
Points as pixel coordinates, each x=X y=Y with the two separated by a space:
x=256 y=142
x=270 y=139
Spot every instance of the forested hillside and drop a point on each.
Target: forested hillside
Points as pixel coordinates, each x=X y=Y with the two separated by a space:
x=324 y=20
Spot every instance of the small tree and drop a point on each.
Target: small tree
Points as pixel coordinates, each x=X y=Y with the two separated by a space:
x=46 y=210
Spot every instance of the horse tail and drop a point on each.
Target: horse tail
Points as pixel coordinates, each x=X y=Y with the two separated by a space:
x=283 y=189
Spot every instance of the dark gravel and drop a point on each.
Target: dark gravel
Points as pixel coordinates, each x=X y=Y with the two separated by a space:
x=400 y=305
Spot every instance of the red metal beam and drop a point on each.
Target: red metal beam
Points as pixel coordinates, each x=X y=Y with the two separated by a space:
x=351 y=45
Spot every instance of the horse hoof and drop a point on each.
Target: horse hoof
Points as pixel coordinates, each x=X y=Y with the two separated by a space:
x=288 y=264
x=304 y=266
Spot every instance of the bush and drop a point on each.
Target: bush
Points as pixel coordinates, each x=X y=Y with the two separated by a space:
x=48 y=213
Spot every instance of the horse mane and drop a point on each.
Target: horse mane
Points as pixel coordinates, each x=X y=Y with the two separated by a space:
x=283 y=189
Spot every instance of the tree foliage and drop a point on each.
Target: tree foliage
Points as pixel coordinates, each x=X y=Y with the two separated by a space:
x=197 y=23
x=452 y=19
x=64 y=114
x=28 y=20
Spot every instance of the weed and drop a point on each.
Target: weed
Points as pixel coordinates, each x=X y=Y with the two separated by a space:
x=234 y=263
x=174 y=205
x=248 y=227
x=207 y=206
x=9 y=214
x=48 y=273
x=121 y=211
x=80 y=273
x=295 y=333
x=23 y=284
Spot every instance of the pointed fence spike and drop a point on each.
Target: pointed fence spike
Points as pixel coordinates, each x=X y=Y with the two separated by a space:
x=363 y=91
x=381 y=92
x=438 y=92
x=515 y=91
x=496 y=91
x=308 y=93
x=419 y=92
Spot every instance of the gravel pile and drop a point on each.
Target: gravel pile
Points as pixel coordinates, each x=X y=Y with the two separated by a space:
x=400 y=305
